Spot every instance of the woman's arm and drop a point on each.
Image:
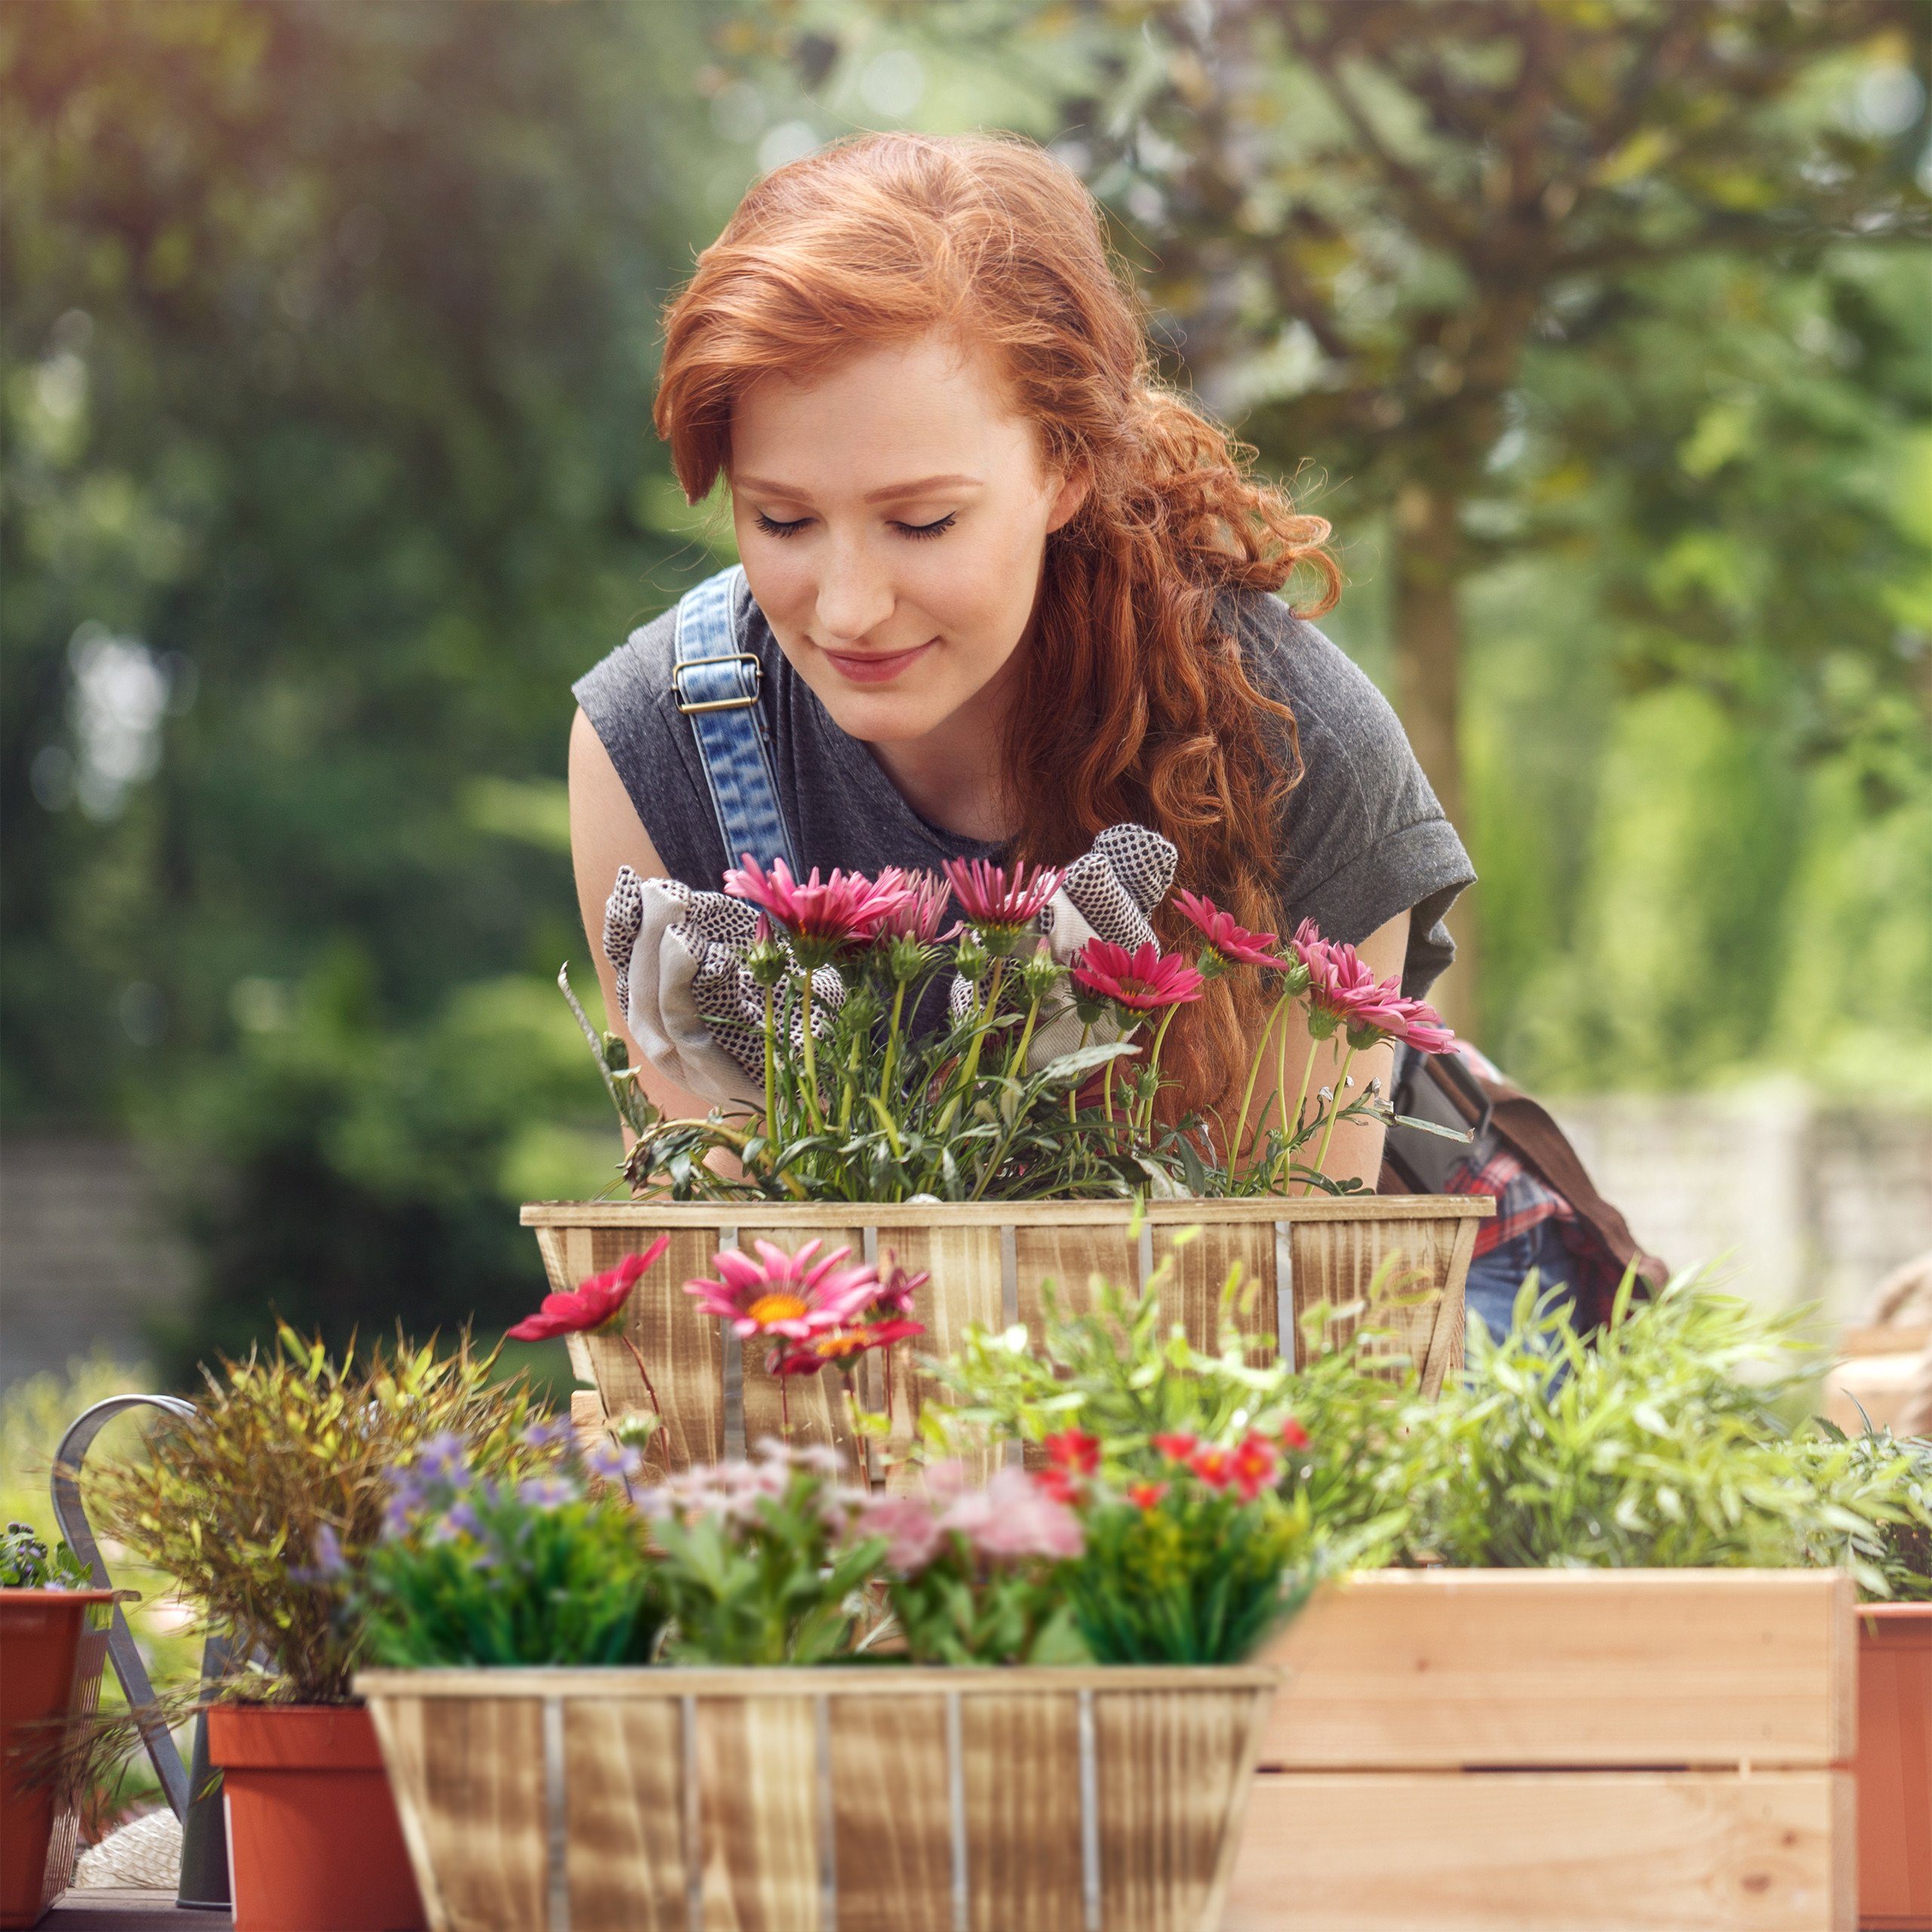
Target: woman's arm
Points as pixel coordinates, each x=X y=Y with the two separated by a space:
x=1356 y=1151
x=605 y=833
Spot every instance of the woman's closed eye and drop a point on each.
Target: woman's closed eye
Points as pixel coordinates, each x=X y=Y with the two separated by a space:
x=772 y=528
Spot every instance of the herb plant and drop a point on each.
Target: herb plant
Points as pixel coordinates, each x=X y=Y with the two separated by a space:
x=27 y=1563
x=756 y=1560
x=472 y=1569
x=261 y=1503
x=1666 y=1439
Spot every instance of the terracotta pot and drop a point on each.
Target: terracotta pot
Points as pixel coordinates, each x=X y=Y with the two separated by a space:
x=313 y=1842
x=55 y=1642
x=1895 y=1767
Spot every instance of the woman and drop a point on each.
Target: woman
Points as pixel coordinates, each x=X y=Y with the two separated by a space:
x=1001 y=590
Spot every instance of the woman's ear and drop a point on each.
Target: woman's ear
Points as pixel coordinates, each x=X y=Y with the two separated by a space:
x=1071 y=494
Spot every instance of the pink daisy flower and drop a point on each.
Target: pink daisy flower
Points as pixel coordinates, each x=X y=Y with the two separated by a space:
x=1228 y=939
x=821 y=916
x=998 y=903
x=1342 y=990
x=919 y=915
x=794 y=1296
x=1419 y=1024
x=1148 y=980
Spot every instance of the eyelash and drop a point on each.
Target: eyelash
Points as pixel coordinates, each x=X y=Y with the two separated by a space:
x=916 y=531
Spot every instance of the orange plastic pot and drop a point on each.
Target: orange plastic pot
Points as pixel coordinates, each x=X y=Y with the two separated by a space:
x=1895 y=1768
x=53 y=1643
x=313 y=1841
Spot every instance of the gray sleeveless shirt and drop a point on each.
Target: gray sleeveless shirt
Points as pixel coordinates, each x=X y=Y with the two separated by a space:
x=1362 y=838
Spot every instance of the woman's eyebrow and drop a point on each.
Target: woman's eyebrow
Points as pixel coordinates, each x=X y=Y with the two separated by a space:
x=891 y=491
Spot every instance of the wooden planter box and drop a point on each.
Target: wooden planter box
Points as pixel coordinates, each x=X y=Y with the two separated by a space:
x=988 y=1264
x=865 y=1799
x=1493 y=1751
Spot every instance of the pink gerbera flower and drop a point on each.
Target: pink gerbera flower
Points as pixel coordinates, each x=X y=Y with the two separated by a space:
x=595 y=1304
x=1419 y=1024
x=794 y=1296
x=1227 y=939
x=1148 y=980
x=919 y=915
x=998 y=903
x=1343 y=992
x=821 y=915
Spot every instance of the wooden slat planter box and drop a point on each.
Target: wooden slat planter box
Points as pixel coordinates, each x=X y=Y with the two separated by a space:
x=988 y=1263
x=1493 y=1751
x=865 y=1799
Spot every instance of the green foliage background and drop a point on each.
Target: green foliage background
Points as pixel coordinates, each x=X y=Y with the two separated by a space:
x=328 y=346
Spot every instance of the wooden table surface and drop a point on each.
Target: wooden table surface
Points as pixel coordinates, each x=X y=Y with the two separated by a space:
x=113 y=1911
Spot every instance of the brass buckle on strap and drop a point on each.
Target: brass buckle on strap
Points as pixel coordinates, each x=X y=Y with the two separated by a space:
x=717 y=703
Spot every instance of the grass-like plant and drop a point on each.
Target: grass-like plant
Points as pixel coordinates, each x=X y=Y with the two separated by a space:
x=1674 y=1436
x=261 y=1503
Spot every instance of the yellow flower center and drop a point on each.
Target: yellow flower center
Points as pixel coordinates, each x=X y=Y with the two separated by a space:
x=768 y=1309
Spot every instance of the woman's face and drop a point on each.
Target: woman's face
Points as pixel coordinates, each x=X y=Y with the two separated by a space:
x=892 y=516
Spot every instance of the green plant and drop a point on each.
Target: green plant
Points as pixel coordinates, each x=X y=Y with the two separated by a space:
x=475 y=1570
x=755 y=1560
x=1188 y=1569
x=281 y=1477
x=26 y=1563
x=1890 y=1478
x=978 y=1575
x=1118 y=1370
x=1666 y=1440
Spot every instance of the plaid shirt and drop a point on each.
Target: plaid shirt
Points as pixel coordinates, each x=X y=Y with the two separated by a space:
x=1522 y=1199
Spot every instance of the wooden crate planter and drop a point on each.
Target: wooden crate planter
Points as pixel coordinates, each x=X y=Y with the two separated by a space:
x=1492 y=1751
x=988 y=1263
x=877 y=1799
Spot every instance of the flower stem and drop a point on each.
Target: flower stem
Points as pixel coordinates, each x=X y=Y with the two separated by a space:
x=969 y=1071
x=1290 y=1129
x=806 y=1051
x=892 y=1044
x=657 y=1407
x=771 y=1065
x=1253 y=1073
x=1154 y=1068
x=1334 y=1114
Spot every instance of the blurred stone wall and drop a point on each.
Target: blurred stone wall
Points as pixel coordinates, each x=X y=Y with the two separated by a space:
x=85 y=1254
x=1788 y=1200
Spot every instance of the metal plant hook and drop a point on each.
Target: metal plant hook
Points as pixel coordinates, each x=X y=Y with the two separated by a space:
x=72 y=1517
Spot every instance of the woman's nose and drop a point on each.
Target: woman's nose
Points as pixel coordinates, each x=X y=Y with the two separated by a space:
x=854 y=599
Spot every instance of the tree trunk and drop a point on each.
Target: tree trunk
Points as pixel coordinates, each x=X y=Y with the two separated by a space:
x=1428 y=567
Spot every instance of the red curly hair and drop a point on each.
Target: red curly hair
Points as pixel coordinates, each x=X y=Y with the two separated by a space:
x=1134 y=702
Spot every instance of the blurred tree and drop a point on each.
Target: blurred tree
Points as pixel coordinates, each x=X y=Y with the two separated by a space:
x=328 y=351
x=1370 y=232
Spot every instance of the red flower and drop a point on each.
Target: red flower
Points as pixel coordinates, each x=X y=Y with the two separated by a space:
x=1215 y=1467
x=1232 y=941
x=592 y=1306
x=1145 y=1495
x=1062 y=1485
x=1342 y=991
x=1148 y=980
x=1073 y=1449
x=821 y=917
x=1177 y=1447
x=997 y=902
x=1292 y=1435
x=841 y=1345
x=1256 y=1465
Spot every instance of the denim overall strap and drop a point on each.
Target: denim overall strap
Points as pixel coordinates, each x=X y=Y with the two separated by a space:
x=716 y=685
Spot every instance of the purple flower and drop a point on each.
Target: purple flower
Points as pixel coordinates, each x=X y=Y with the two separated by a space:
x=554 y=1433
x=612 y=1462
x=546 y=1492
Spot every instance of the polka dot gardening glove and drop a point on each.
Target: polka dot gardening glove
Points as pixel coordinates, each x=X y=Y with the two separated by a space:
x=688 y=998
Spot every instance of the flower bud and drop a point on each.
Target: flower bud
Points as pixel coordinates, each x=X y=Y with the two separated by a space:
x=970 y=958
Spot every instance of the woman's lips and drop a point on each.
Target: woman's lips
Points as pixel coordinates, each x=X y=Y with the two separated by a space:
x=868 y=667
